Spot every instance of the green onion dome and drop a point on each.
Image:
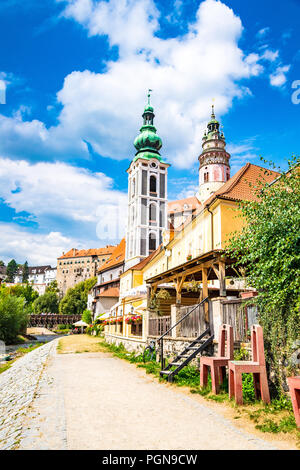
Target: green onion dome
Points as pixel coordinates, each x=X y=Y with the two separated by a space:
x=148 y=143
x=148 y=140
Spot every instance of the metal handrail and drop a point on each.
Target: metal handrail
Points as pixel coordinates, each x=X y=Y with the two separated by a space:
x=161 y=338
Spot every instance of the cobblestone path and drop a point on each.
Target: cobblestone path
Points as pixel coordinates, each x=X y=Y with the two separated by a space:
x=18 y=386
x=95 y=401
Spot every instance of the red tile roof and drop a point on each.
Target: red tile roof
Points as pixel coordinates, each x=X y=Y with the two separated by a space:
x=117 y=257
x=111 y=292
x=74 y=253
x=139 y=266
x=189 y=203
x=238 y=189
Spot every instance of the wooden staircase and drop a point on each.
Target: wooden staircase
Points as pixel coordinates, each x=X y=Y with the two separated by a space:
x=186 y=356
x=196 y=347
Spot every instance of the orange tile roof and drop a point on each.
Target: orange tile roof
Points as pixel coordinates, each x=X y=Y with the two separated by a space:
x=139 y=266
x=189 y=203
x=111 y=292
x=117 y=257
x=237 y=188
x=74 y=253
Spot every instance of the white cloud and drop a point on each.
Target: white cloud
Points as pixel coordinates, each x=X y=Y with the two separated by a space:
x=105 y=109
x=278 y=78
x=48 y=191
x=269 y=55
x=36 y=248
x=263 y=32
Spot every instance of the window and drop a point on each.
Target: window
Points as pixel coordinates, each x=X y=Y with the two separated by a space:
x=206 y=177
x=152 y=184
x=152 y=242
x=143 y=241
x=133 y=187
x=152 y=213
x=144 y=182
x=162 y=190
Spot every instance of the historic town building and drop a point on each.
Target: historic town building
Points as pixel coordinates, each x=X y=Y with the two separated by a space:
x=147 y=193
x=106 y=292
x=38 y=276
x=78 y=265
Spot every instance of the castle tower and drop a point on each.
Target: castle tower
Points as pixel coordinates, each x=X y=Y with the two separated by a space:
x=214 y=168
x=147 y=193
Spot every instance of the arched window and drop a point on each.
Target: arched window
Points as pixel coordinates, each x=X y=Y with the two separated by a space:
x=152 y=213
x=152 y=242
x=152 y=184
x=206 y=177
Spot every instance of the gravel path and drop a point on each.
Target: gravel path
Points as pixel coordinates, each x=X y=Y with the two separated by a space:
x=95 y=401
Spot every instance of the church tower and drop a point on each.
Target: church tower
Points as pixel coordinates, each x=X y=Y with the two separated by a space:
x=214 y=168
x=147 y=193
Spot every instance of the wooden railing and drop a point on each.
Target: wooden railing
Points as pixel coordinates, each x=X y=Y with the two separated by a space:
x=158 y=326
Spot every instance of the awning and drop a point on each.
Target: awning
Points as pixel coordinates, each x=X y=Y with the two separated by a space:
x=135 y=292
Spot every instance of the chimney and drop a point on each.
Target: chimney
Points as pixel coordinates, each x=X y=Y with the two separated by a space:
x=74 y=251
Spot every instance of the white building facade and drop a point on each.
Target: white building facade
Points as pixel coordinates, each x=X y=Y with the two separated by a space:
x=147 y=194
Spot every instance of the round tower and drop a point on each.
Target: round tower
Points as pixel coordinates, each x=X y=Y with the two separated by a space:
x=214 y=168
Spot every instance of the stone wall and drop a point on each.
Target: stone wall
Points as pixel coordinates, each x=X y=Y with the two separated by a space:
x=130 y=344
x=174 y=346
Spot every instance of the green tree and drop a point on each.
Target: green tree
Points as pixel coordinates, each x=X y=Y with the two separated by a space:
x=11 y=270
x=13 y=317
x=26 y=292
x=2 y=263
x=25 y=272
x=52 y=287
x=75 y=300
x=87 y=316
x=268 y=248
x=46 y=303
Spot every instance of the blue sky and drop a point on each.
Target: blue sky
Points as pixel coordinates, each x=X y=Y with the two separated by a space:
x=75 y=75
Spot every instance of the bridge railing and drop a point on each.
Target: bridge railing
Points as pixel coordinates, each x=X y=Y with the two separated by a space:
x=51 y=320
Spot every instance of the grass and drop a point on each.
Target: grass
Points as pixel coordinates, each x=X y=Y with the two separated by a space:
x=79 y=344
x=19 y=353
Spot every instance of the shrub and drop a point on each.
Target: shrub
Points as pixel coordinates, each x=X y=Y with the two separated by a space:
x=13 y=318
x=87 y=316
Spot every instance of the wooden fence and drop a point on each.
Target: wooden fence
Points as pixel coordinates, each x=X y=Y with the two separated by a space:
x=51 y=321
x=194 y=324
x=158 y=326
x=240 y=316
x=234 y=313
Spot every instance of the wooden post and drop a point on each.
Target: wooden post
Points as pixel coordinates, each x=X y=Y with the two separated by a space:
x=205 y=293
x=222 y=279
x=179 y=285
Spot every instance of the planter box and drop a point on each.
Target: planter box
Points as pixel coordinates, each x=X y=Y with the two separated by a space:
x=248 y=295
